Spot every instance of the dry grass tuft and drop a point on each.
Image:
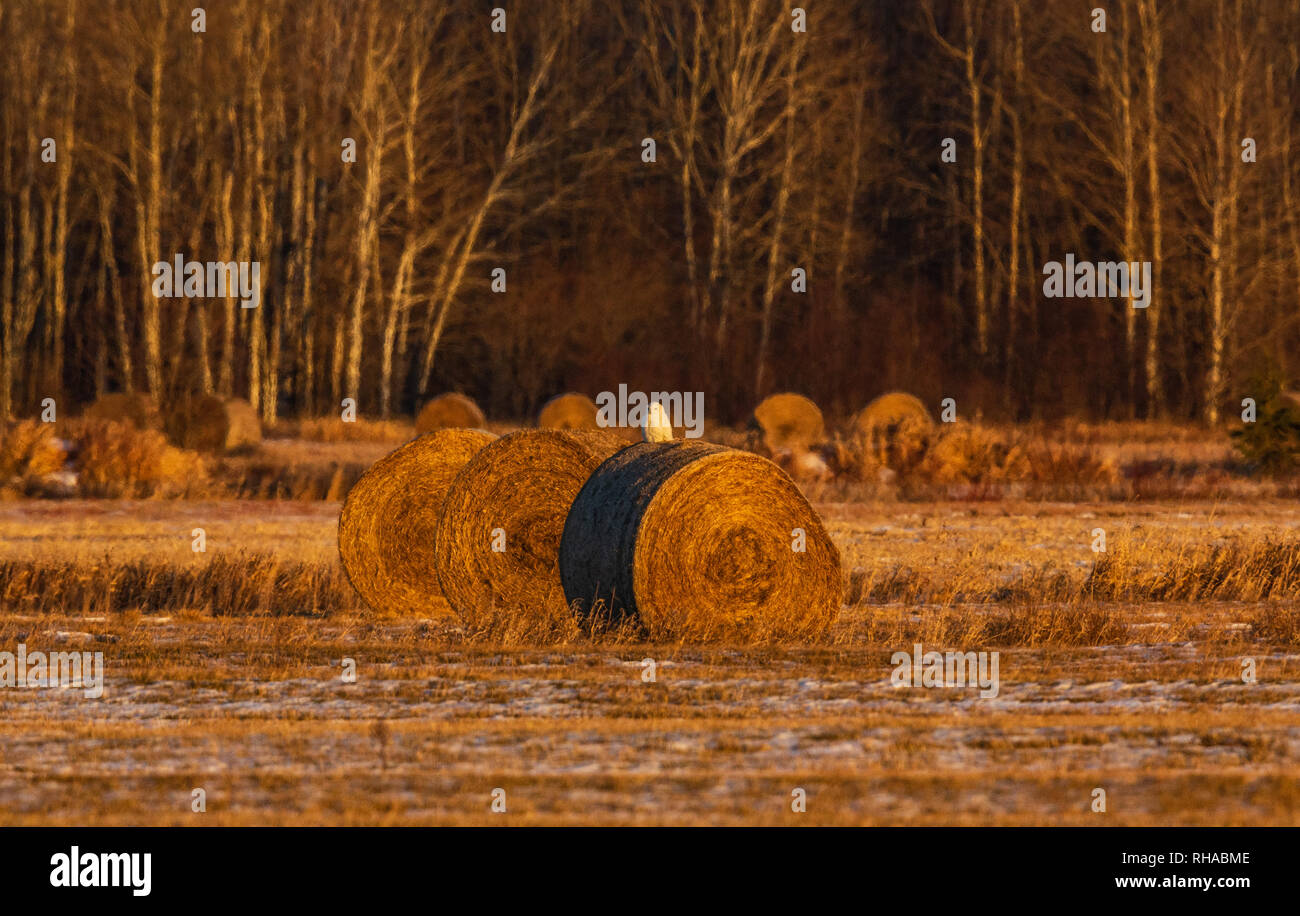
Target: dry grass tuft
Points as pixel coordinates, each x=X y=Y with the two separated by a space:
x=1276 y=625
x=220 y=585
x=1027 y=626
x=499 y=534
x=28 y=451
x=970 y=456
x=117 y=459
x=333 y=429
x=966 y=461
x=696 y=540
x=1259 y=571
x=1066 y=471
x=548 y=625
x=388 y=526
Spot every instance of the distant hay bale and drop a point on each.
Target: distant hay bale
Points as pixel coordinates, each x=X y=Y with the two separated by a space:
x=891 y=410
x=894 y=431
x=388 y=524
x=210 y=423
x=789 y=421
x=137 y=409
x=568 y=411
x=449 y=411
x=499 y=535
x=699 y=541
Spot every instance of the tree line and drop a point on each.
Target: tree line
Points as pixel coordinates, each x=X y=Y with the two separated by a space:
x=731 y=196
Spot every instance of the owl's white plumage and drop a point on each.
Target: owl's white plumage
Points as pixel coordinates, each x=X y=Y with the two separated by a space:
x=656 y=427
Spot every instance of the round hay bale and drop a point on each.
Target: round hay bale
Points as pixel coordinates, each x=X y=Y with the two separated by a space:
x=449 y=411
x=388 y=523
x=137 y=409
x=210 y=423
x=568 y=411
x=789 y=421
x=894 y=431
x=891 y=410
x=499 y=534
x=699 y=541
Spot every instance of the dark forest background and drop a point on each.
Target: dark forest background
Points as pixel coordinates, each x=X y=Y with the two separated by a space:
x=775 y=150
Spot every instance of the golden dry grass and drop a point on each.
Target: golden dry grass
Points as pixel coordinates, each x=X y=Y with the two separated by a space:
x=335 y=429
x=117 y=459
x=321 y=459
x=255 y=712
x=28 y=451
x=1120 y=670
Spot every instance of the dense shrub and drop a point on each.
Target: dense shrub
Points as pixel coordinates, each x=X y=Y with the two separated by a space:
x=117 y=459
x=1272 y=442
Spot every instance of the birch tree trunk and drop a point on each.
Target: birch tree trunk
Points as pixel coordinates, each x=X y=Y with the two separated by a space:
x=67 y=146
x=1149 y=18
x=778 y=230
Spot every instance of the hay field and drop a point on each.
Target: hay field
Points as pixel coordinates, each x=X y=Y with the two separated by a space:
x=223 y=672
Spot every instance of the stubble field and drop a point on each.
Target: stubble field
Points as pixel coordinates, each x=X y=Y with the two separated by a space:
x=224 y=672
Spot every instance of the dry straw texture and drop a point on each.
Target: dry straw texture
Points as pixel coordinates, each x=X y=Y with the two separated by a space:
x=519 y=487
x=568 y=411
x=789 y=421
x=698 y=541
x=214 y=424
x=138 y=409
x=449 y=411
x=388 y=524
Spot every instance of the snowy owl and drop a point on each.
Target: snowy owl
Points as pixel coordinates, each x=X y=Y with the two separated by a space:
x=656 y=427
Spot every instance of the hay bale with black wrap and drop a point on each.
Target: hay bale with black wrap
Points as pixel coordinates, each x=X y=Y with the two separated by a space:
x=499 y=534
x=700 y=542
x=388 y=525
